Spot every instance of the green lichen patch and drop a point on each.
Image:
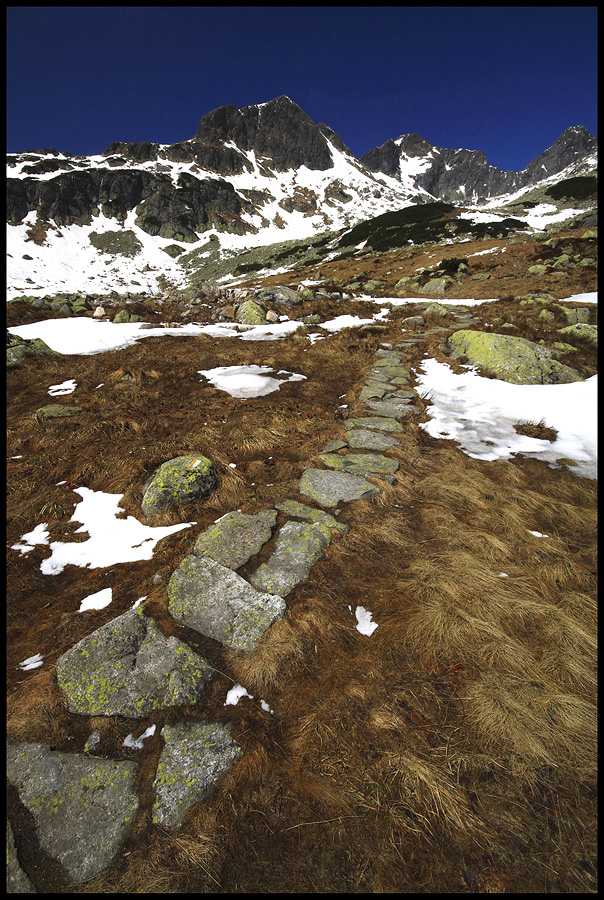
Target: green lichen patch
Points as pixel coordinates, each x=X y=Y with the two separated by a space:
x=179 y=481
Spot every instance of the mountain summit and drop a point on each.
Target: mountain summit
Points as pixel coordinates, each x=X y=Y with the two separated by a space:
x=278 y=131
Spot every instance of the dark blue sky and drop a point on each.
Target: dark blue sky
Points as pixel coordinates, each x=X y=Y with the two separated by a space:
x=505 y=80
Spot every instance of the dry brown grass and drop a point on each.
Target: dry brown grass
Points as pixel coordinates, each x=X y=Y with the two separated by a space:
x=452 y=751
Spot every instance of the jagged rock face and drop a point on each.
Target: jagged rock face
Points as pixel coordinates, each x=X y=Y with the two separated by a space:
x=279 y=130
x=460 y=174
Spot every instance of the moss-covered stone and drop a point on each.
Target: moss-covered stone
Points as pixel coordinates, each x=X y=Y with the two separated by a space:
x=588 y=333
x=511 y=359
x=179 y=481
x=236 y=537
x=57 y=411
x=82 y=807
x=360 y=463
x=251 y=313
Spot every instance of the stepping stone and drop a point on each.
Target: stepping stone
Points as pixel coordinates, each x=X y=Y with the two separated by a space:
x=373 y=392
x=371 y=440
x=82 y=807
x=301 y=511
x=329 y=447
x=194 y=759
x=330 y=488
x=395 y=409
x=236 y=537
x=129 y=668
x=298 y=548
x=214 y=600
x=388 y=371
x=378 y=422
x=360 y=463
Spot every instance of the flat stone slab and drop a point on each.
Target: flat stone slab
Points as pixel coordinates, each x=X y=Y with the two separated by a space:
x=129 y=668
x=329 y=488
x=395 y=409
x=374 y=391
x=214 y=600
x=363 y=439
x=194 y=759
x=236 y=537
x=380 y=423
x=359 y=463
x=302 y=511
x=82 y=806
x=298 y=548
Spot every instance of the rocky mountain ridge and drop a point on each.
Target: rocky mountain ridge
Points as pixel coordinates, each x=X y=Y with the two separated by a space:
x=465 y=175
x=248 y=178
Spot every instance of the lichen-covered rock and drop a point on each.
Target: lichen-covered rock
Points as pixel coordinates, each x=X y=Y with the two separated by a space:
x=236 y=537
x=298 y=548
x=82 y=807
x=129 y=668
x=395 y=409
x=362 y=439
x=511 y=359
x=178 y=481
x=381 y=423
x=214 y=600
x=583 y=330
x=194 y=759
x=330 y=488
x=280 y=295
x=18 y=349
x=250 y=313
x=436 y=309
x=437 y=285
x=57 y=411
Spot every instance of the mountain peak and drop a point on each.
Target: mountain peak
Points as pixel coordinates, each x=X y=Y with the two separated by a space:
x=277 y=129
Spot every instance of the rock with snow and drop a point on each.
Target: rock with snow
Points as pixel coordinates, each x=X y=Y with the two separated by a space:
x=512 y=359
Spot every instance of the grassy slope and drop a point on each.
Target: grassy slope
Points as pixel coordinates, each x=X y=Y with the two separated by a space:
x=452 y=751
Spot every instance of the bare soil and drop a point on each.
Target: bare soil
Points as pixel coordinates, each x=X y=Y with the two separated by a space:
x=454 y=750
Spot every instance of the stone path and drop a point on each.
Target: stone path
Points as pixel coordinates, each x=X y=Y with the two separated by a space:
x=128 y=667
